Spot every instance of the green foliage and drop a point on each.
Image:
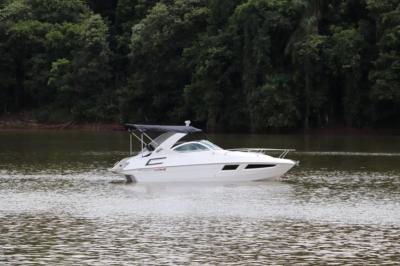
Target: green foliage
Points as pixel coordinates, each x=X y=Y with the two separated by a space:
x=58 y=11
x=250 y=65
x=59 y=52
x=346 y=59
x=385 y=75
x=127 y=14
x=275 y=103
x=211 y=96
x=86 y=74
x=158 y=74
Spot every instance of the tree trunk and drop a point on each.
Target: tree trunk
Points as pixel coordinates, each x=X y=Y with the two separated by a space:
x=211 y=120
x=19 y=91
x=307 y=102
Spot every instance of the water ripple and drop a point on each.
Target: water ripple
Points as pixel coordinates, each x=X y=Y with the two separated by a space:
x=61 y=240
x=59 y=206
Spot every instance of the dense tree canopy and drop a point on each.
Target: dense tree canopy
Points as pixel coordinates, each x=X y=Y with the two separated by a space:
x=251 y=65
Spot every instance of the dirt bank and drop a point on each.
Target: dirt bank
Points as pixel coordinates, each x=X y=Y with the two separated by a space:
x=21 y=123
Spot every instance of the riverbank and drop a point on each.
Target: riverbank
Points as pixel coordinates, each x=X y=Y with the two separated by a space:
x=22 y=122
x=32 y=125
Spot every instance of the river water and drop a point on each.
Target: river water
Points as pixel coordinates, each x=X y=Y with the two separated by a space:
x=59 y=205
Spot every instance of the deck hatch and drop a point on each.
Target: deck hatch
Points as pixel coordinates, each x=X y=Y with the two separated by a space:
x=230 y=167
x=255 y=166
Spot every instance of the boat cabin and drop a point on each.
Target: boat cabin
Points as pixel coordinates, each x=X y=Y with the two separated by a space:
x=168 y=140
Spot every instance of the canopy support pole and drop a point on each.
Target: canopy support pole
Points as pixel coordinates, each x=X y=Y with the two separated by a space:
x=141 y=140
x=147 y=136
x=130 y=144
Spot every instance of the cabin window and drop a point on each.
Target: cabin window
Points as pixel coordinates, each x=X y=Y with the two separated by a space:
x=230 y=167
x=255 y=166
x=191 y=147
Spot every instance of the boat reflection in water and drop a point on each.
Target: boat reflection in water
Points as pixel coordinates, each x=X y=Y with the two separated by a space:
x=165 y=159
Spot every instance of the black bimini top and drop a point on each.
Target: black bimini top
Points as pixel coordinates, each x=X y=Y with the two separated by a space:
x=160 y=128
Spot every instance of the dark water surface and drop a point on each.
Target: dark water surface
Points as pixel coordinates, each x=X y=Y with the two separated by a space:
x=59 y=205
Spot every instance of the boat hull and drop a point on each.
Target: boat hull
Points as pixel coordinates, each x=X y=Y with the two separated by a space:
x=207 y=173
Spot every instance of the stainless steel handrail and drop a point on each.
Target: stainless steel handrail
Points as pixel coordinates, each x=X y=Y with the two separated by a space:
x=283 y=154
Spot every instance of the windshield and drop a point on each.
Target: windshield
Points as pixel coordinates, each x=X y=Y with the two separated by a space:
x=210 y=145
x=160 y=139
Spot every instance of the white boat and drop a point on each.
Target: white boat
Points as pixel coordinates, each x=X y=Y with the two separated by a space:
x=165 y=159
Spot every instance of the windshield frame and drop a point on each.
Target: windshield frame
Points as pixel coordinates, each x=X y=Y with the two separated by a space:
x=209 y=144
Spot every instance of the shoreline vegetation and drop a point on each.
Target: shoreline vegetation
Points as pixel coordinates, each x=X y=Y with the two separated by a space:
x=229 y=65
x=20 y=123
